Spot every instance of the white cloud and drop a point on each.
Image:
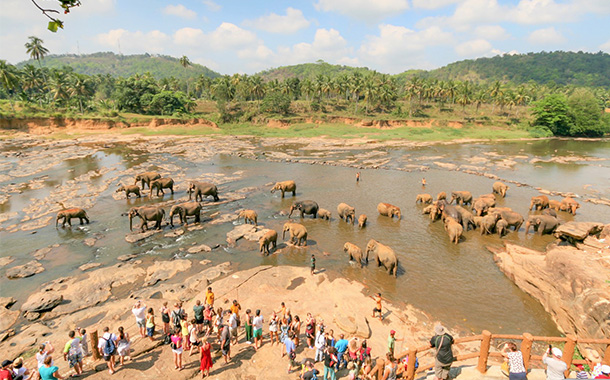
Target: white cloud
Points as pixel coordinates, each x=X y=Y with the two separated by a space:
x=189 y=37
x=292 y=22
x=180 y=11
x=547 y=36
x=212 y=6
x=364 y=10
x=226 y=37
x=474 y=48
x=135 y=42
x=491 y=32
x=432 y=4
x=328 y=44
x=605 y=46
x=397 y=48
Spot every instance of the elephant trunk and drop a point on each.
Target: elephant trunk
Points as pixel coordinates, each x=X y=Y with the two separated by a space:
x=527 y=227
x=284 y=234
x=130 y=222
x=57 y=221
x=291 y=210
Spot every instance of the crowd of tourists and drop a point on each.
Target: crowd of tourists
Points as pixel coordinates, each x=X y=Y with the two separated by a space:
x=211 y=329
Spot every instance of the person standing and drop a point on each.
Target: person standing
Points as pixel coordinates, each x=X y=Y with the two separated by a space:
x=44 y=350
x=193 y=336
x=320 y=345
x=313 y=264
x=235 y=309
x=206 y=358
x=392 y=342
x=20 y=370
x=516 y=368
x=73 y=353
x=443 y=342
x=208 y=316
x=107 y=347
x=209 y=297
x=233 y=327
x=605 y=372
x=273 y=322
x=341 y=347
x=124 y=345
x=290 y=351
x=310 y=330
x=248 y=326
x=176 y=346
x=389 y=371
x=330 y=361
x=357 y=177
x=225 y=343
x=139 y=311
x=48 y=370
x=150 y=324
x=164 y=311
x=198 y=313
x=177 y=315
x=555 y=367
x=257 y=323
x=295 y=327
x=84 y=344
x=377 y=308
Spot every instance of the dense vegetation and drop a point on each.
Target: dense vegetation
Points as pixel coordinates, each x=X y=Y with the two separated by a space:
x=159 y=66
x=40 y=90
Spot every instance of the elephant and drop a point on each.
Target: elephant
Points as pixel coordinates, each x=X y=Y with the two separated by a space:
x=384 y=255
x=543 y=224
x=183 y=210
x=269 y=238
x=512 y=218
x=355 y=253
x=555 y=205
x=387 y=209
x=203 y=189
x=441 y=195
x=539 y=202
x=147 y=214
x=285 y=186
x=491 y=196
x=160 y=184
x=129 y=189
x=306 y=208
x=497 y=210
x=502 y=227
x=454 y=230
x=461 y=197
x=477 y=221
x=298 y=233
x=69 y=214
x=362 y=221
x=500 y=188
x=482 y=205
x=424 y=198
x=570 y=205
x=488 y=223
x=147 y=178
x=448 y=210
x=324 y=214
x=249 y=216
x=467 y=218
x=549 y=211
x=346 y=212
x=433 y=210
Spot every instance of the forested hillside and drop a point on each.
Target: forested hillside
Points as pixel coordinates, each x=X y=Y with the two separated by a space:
x=309 y=71
x=160 y=66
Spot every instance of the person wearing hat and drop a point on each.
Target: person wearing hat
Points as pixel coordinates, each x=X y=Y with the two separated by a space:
x=605 y=372
x=392 y=341
x=19 y=371
x=555 y=367
x=6 y=373
x=594 y=361
x=442 y=341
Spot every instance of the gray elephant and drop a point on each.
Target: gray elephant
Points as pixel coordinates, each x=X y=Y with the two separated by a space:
x=384 y=255
x=346 y=212
x=305 y=207
x=298 y=233
x=355 y=253
x=502 y=227
x=461 y=197
x=387 y=209
x=448 y=210
x=539 y=202
x=424 y=198
x=129 y=189
x=549 y=211
x=512 y=218
x=482 y=205
x=324 y=214
x=555 y=205
x=488 y=223
x=268 y=239
x=147 y=178
x=543 y=224
x=467 y=218
x=71 y=213
x=441 y=195
x=146 y=214
x=183 y=210
x=249 y=216
x=202 y=189
x=570 y=205
x=160 y=184
x=454 y=230
x=500 y=188
x=362 y=221
x=284 y=187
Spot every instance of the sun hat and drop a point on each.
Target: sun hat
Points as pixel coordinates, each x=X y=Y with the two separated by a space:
x=605 y=369
x=592 y=355
x=557 y=352
x=392 y=332
x=439 y=329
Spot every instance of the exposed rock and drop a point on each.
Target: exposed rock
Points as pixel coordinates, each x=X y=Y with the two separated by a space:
x=205 y=262
x=257 y=234
x=577 y=231
x=43 y=301
x=239 y=231
x=197 y=227
x=4 y=261
x=128 y=257
x=163 y=270
x=175 y=233
x=136 y=237
x=26 y=270
x=7 y=317
x=31 y=315
x=224 y=218
x=199 y=248
x=88 y=266
x=41 y=253
x=89 y=242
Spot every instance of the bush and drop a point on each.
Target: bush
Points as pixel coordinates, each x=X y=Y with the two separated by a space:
x=276 y=102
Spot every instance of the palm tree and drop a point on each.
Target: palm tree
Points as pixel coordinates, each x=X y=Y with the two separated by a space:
x=58 y=86
x=35 y=49
x=9 y=78
x=80 y=88
x=185 y=62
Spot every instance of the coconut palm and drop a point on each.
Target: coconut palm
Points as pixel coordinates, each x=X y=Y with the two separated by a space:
x=35 y=49
x=80 y=87
x=9 y=78
x=185 y=62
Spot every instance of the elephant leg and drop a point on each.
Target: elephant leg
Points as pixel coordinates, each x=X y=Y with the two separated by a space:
x=282 y=193
x=197 y=218
x=81 y=221
x=69 y=221
x=172 y=189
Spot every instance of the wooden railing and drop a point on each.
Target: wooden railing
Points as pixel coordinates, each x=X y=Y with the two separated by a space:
x=527 y=340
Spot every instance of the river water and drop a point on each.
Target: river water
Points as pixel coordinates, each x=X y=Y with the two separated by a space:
x=457 y=284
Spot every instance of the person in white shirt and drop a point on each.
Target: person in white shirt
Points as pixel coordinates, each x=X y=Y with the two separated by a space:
x=233 y=327
x=139 y=310
x=44 y=350
x=107 y=347
x=73 y=353
x=257 y=323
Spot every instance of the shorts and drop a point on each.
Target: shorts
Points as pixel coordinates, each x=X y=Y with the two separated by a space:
x=207 y=322
x=226 y=350
x=150 y=331
x=517 y=376
x=375 y=310
x=233 y=332
x=258 y=333
x=441 y=370
x=75 y=359
x=273 y=328
x=195 y=343
x=108 y=357
x=199 y=321
x=141 y=323
x=177 y=350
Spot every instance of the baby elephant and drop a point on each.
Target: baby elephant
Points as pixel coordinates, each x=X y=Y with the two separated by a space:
x=160 y=184
x=249 y=216
x=323 y=214
x=424 y=198
x=269 y=238
x=69 y=214
x=129 y=189
x=362 y=221
x=355 y=253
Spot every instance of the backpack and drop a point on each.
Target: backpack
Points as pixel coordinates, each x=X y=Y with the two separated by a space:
x=109 y=347
x=176 y=319
x=167 y=339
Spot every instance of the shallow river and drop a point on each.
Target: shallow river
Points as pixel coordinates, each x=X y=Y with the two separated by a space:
x=457 y=284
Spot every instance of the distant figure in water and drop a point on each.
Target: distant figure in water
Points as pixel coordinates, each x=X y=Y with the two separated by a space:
x=423 y=182
x=358 y=177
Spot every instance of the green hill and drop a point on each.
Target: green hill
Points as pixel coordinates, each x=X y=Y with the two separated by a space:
x=559 y=67
x=310 y=71
x=160 y=66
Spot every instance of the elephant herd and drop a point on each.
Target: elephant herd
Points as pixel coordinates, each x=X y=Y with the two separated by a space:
x=489 y=219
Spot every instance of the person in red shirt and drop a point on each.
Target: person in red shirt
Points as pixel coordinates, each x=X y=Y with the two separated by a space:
x=605 y=372
x=5 y=372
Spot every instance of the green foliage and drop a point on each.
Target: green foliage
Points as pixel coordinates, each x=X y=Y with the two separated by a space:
x=586 y=114
x=166 y=103
x=553 y=113
x=276 y=103
x=310 y=71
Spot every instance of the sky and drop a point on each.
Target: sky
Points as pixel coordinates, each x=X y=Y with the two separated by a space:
x=248 y=36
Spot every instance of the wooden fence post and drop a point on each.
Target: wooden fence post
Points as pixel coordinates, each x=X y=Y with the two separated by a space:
x=93 y=341
x=411 y=364
x=606 y=359
x=526 y=349
x=484 y=354
x=568 y=352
